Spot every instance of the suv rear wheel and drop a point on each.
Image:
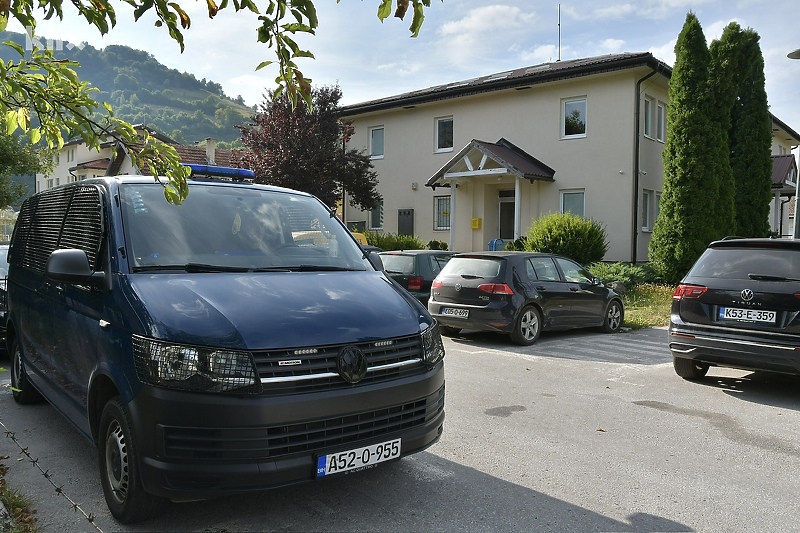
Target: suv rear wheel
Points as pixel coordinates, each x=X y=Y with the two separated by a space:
x=21 y=388
x=689 y=369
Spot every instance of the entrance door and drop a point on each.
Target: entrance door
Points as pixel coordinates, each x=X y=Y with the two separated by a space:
x=507 y=220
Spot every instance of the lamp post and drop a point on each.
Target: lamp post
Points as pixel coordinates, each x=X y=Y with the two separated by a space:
x=795 y=225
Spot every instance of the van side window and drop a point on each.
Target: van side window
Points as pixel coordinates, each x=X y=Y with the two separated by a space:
x=67 y=217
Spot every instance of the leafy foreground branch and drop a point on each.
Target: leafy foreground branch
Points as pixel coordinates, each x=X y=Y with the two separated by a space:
x=44 y=97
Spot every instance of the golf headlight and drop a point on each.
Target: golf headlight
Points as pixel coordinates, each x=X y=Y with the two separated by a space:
x=185 y=367
x=432 y=345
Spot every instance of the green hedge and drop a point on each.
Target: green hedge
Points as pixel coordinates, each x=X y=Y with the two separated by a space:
x=581 y=239
x=392 y=241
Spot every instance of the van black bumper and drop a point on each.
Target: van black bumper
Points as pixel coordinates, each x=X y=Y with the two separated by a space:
x=196 y=446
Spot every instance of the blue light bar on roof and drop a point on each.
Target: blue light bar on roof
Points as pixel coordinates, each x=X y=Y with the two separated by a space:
x=221 y=172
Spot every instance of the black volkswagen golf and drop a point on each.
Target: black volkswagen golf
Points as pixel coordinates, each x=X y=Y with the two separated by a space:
x=738 y=307
x=522 y=294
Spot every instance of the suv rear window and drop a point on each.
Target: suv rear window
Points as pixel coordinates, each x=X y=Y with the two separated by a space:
x=472 y=266
x=739 y=263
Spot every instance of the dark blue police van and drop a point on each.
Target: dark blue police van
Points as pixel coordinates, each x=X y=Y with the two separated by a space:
x=237 y=342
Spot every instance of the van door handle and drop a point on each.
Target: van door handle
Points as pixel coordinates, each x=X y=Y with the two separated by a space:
x=540 y=287
x=574 y=289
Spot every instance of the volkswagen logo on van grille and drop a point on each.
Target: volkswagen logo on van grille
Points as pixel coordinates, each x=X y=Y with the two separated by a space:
x=352 y=364
x=747 y=295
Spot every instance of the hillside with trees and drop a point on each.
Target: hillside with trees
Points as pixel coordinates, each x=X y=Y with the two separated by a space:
x=143 y=91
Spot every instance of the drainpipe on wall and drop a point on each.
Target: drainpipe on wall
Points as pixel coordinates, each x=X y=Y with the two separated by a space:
x=636 y=143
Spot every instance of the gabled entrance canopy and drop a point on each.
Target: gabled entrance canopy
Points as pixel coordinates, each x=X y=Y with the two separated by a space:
x=481 y=158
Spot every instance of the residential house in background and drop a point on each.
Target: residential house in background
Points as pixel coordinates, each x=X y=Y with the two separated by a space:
x=75 y=161
x=478 y=160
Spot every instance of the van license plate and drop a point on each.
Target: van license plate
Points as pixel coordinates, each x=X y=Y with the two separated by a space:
x=358 y=458
x=747 y=315
x=450 y=311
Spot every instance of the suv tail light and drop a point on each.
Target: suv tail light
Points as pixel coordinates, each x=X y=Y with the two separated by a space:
x=415 y=283
x=685 y=290
x=495 y=288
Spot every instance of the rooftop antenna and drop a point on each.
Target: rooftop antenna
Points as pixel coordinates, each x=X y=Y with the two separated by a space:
x=559 y=32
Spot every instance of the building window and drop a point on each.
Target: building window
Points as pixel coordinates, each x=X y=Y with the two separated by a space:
x=441 y=212
x=661 y=122
x=572 y=202
x=573 y=118
x=444 y=134
x=649 y=104
x=376 y=142
x=376 y=217
x=647 y=210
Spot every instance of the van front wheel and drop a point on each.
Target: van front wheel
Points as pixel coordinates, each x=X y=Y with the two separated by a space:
x=21 y=388
x=119 y=467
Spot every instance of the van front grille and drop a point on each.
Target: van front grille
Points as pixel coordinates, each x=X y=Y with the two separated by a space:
x=314 y=369
x=317 y=436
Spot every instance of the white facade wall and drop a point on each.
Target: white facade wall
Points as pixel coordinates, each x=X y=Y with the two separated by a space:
x=602 y=163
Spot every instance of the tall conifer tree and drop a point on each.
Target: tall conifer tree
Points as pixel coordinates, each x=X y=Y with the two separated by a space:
x=751 y=140
x=687 y=219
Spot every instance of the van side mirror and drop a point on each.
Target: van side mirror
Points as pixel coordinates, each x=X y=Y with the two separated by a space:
x=375 y=260
x=72 y=266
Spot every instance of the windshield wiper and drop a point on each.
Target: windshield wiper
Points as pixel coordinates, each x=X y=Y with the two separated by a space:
x=766 y=277
x=306 y=268
x=471 y=276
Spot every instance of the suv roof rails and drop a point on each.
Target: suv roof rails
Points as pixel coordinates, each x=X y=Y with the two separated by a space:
x=224 y=173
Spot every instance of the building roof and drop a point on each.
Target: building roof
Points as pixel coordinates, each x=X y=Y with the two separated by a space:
x=525 y=77
x=191 y=154
x=95 y=164
x=784 y=173
x=481 y=158
x=520 y=78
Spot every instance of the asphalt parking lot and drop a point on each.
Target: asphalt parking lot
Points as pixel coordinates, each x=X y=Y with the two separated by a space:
x=582 y=431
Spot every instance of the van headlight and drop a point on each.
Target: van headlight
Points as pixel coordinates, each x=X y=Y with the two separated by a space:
x=194 y=368
x=432 y=345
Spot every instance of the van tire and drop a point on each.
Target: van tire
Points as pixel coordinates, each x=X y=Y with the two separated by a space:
x=119 y=467
x=21 y=387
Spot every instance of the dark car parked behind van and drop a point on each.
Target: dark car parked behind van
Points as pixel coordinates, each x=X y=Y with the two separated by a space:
x=739 y=306
x=414 y=270
x=522 y=294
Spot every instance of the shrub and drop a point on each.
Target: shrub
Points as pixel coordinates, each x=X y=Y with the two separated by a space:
x=517 y=245
x=437 y=245
x=581 y=239
x=392 y=241
x=630 y=275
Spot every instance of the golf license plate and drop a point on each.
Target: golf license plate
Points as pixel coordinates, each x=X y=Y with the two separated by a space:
x=747 y=315
x=451 y=311
x=358 y=458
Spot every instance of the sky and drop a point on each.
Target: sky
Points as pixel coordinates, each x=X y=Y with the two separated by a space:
x=459 y=40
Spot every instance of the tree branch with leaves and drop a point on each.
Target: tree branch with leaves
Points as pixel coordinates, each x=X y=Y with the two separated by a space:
x=43 y=96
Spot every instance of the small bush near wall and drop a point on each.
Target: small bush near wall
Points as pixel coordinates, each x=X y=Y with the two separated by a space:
x=392 y=241
x=581 y=239
x=631 y=276
x=437 y=245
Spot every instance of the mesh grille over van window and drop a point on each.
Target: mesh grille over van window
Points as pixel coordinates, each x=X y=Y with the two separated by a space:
x=68 y=217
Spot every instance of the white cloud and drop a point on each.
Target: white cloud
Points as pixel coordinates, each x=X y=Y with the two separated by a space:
x=610 y=46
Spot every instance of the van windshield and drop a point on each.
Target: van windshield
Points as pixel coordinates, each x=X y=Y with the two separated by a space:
x=228 y=227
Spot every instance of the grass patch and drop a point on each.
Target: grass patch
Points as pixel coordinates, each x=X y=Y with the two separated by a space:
x=647 y=305
x=18 y=516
